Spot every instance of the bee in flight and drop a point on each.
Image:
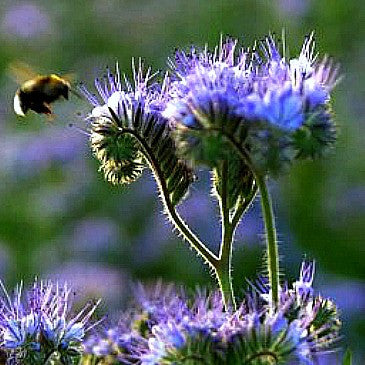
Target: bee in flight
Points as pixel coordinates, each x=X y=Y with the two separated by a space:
x=38 y=92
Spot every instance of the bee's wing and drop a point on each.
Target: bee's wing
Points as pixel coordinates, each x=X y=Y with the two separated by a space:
x=21 y=72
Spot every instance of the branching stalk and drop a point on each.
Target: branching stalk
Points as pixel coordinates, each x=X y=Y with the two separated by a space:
x=222 y=265
x=269 y=220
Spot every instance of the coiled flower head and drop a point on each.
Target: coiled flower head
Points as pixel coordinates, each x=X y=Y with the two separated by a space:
x=273 y=108
x=128 y=132
x=40 y=324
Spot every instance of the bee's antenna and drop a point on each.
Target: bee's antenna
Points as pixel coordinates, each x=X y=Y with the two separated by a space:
x=79 y=129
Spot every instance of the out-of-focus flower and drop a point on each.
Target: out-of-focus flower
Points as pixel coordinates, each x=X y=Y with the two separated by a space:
x=293 y=8
x=168 y=327
x=273 y=108
x=25 y=20
x=89 y=280
x=5 y=258
x=35 y=326
x=27 y=155
x=94 y=235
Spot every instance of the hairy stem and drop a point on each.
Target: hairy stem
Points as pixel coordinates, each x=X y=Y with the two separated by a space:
x=268 y=216
x=224 y=269
x=174 y=216
x=271 y=239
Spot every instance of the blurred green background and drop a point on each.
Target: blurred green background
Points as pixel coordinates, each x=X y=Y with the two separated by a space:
x=58 y=218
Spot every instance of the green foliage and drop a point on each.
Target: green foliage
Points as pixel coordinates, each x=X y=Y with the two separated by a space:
x=327 y=314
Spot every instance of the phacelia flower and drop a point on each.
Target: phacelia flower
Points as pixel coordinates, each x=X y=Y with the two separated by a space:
x=166 y=326
x=128 y=132
x=40 y=324
x=273 y=108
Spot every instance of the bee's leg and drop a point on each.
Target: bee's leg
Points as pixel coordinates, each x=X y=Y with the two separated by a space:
x=47 y=108
x=48 y=112
x=51 y=117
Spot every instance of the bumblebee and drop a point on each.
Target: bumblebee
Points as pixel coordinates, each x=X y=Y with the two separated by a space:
x=38 y=92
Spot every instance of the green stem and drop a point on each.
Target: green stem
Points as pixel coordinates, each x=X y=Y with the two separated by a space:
x=271 y=239
x=174 y=216
x=268 y=215
x=224 y=269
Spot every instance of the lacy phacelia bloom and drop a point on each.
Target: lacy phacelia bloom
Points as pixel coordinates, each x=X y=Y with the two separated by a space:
x=169 y=328
x=120 y=95
x=128 y=132
x=36 y=326
x=271 y=106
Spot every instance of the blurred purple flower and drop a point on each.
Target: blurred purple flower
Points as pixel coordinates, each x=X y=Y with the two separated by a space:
x=348 y=294
x=293 y=8
x=251 y=226
x=95 y=235
x=89 y=279
x=27 y=155
x=5 y=259
x=25 y=20
x=150 y=243
x=348 y=203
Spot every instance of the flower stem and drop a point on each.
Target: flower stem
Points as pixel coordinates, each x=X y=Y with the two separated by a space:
x=201 y=249
x=271 y=239
x=224 y=277
x=224 y=268
x=268 y=215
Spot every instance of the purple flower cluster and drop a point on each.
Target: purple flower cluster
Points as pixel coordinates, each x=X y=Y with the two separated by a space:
x=121 y=95
x=171 y=328
x=40 y=326
x=274 y=107
x=251 y=85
